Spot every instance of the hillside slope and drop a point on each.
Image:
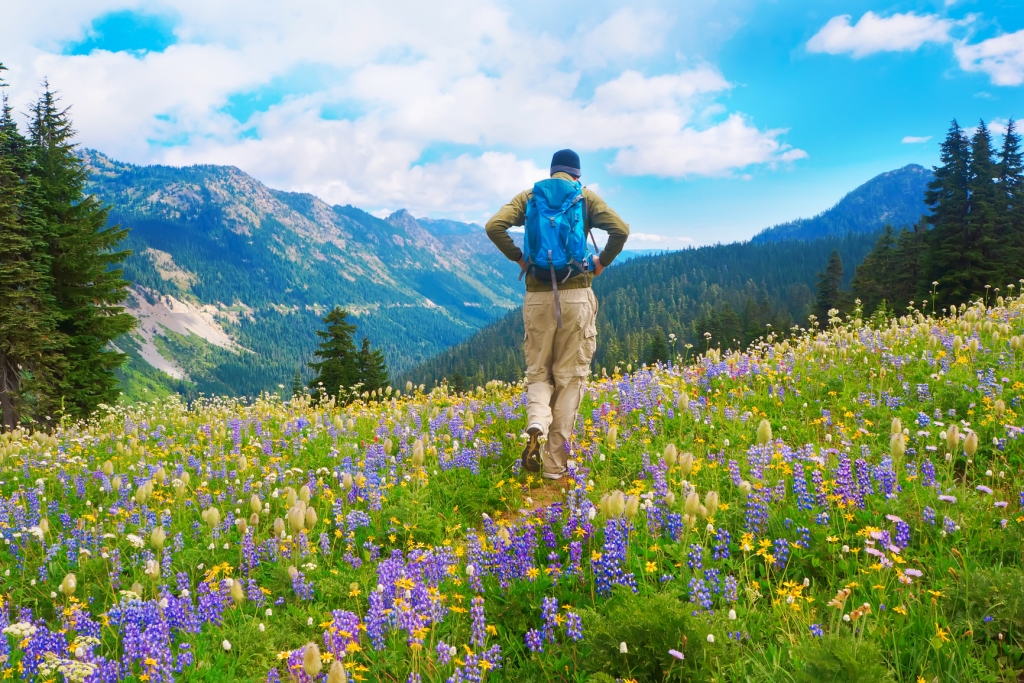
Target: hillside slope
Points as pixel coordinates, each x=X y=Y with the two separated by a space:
x=732 y=291
x=895 y=198
x=260 y=266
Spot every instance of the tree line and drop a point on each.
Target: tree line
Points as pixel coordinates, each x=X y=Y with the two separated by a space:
x=970 y=242
x=61 y=287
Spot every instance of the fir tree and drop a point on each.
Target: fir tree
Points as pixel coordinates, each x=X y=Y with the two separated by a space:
x=298 y=389
x=658 y=349
x=910 y=262
x=829 y=292
x=28 y=334
x=338 y=370
x=954 y=255
x=872 y=279
x=1010 y=205
x=88 y=287
x=373 y=371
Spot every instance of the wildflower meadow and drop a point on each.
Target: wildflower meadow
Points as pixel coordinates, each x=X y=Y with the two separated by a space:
x=843 y=504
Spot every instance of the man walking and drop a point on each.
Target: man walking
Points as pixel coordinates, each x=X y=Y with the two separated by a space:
x=559 y=309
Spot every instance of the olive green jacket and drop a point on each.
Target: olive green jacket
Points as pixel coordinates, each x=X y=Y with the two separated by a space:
x=599 y=215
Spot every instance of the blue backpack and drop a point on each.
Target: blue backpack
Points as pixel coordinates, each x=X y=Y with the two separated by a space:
x=555 y=248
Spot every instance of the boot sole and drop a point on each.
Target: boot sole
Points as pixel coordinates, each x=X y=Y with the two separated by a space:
x=530 y=459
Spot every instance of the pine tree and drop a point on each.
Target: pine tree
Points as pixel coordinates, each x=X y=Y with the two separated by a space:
x=829 y=293
x=658 y=350
x=338 y=370
x=298 y=389
x=872 y=279
x=373 y=371
x=953 y=254
x=1010 y=205
x=28 y=334
x=88 y=287
x=909 y=281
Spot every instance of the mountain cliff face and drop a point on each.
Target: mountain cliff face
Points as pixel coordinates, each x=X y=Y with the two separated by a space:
x=231 y=277
x=895 y=198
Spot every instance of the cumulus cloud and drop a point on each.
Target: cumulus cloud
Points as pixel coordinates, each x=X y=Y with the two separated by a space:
x=915 y=140
x=1002 y=58
x=874 y=33
x=438 y=109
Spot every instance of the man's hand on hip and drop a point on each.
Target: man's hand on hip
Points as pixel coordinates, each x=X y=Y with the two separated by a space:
x=598 y=268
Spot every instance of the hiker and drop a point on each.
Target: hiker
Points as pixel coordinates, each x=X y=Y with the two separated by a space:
x=559 y=309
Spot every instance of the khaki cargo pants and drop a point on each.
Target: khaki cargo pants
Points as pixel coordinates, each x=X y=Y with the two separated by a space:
x=557 y=366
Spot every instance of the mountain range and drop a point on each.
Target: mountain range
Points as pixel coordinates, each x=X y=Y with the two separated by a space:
x=231 y=278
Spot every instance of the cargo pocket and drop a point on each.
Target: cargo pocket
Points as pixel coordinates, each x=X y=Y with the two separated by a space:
x=588 y=345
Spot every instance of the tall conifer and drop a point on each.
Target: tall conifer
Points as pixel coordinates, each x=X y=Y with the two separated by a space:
x=373 y=370
x=1010 y=204
x=88 y=287
x=829 y=293
x=953 y=256
x=338 y=369
x=28 y=334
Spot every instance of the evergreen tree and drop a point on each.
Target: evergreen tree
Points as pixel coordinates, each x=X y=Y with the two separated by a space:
x=88 y=287
x=373 y=371
x=1010 y=205
x=658 y=350
x=829 y=292
x=28 y=334
x=338 y=370
x=872 y=279
x=298 y=389
x=458 y=383
x=954 y=254
x=909 y=281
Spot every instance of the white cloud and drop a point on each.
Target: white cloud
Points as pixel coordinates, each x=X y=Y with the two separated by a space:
x=652 y=238
x=1002 y=58
x=874 y=33
x=915 y=140
x=436 y=108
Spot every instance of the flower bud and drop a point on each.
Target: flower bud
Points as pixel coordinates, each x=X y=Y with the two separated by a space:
x=692 y=504
x=745 y=487
x=237 y=592
x=417 y=453
x=632 y=507
x=897 y=426
x=311 y=662
x=670 y=455
x=311 y=518
x=157 y=537
x=108 y=468
x=68 y=585
x=346 y=481
x=137 y=589
x=958 y=343
x=337 y=672
x=387 y=446
x=296 y=519
x=213 y=517
x=254 y=519
x=290 y=497
x=999 y=407
x=304 y=493
x=952 y=437
x=711 y=503
x=686 y=464
x=115 y=484
x=241 y=525
x=972 y=346
x=670 y=498
x=1015 y=343
x=898 y=445
x=255 y=504
x=612 y=437
x=278 y=527
x=971 y=444
x=160 y=476
x=617 y=504
x=764 y=432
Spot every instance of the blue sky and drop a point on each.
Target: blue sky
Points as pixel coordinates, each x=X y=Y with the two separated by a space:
x=699 y=122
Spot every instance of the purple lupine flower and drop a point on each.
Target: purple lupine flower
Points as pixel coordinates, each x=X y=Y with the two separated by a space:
x=574 y=626
x=549 y=613
x=534 y=641
x=478 y=635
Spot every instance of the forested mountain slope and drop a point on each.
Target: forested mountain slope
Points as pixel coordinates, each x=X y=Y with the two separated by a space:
x=234 y=276
x=732 y=291
x=894 y=198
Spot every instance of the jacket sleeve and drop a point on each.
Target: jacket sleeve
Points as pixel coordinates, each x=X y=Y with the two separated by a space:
x=513 y=213
x=603 y=217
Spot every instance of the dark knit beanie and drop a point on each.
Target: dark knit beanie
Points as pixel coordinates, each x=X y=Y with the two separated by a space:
x=566 y=161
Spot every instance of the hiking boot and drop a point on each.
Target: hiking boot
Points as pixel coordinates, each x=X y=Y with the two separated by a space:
x=531 y=453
